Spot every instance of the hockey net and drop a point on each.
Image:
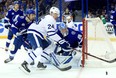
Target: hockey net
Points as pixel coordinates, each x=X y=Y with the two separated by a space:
x=96 y=41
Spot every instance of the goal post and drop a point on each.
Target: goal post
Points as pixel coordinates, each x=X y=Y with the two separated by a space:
x=96 y=41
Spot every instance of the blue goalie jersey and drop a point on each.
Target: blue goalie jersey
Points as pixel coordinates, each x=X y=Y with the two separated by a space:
x=74 y=38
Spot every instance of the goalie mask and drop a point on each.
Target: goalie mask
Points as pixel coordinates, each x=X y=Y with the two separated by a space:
x=63 y=29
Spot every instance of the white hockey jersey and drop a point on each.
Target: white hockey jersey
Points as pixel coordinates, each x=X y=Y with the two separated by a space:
x=45 y=28
x=71 y=25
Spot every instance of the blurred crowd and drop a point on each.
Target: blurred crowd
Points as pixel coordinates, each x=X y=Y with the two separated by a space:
x=73 y=7
x=103 y=12
x=5 y=5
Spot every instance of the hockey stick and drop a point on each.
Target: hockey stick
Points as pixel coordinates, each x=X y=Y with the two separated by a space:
x=5 y=48
x=108 y=61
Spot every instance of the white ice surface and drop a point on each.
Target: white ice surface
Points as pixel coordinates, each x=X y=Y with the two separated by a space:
x=11 y=70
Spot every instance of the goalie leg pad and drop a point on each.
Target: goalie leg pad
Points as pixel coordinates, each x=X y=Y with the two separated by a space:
x=54 y=58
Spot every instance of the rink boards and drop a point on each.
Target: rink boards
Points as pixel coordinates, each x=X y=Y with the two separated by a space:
x=109 y=29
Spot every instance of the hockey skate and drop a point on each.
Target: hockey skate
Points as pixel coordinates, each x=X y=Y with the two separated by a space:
x=9 y=59
x=32 y=63
x=6 y=49
x=24 y=67
x=41 y=66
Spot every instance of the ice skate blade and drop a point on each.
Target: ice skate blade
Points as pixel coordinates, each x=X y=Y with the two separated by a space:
x=24 y=71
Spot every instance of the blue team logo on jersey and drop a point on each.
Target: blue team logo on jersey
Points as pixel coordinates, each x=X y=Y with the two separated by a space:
x=73 y=33
x=1 y=28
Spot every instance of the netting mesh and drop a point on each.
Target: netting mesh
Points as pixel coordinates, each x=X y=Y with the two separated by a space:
x=97 y=41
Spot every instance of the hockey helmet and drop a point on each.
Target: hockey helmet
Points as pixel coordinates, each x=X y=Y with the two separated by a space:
x=16 y=2
x=63 y=29
x=55 y=10
x=30 y=11
x=62 y=25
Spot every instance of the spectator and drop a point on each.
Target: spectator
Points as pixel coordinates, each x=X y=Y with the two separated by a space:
x=0 y=1
x=66 y=14
x=113 y=21
x=42 y=9
x=90 y=15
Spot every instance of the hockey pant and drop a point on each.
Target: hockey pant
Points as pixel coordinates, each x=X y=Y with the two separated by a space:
x=18 y=42
x=38 y=45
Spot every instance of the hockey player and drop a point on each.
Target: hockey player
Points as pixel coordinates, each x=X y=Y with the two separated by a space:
x=113 y=21
x=70 y=23
x=9 y=20
x=19 y=28
x=38 y=36
x=66 y=14
x=74 y=38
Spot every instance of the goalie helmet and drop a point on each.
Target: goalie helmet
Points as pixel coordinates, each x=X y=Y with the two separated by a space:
x=55 y=10
x=62 y=25
x=63 y=29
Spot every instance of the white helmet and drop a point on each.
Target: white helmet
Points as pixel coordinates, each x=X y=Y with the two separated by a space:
x=55 y=10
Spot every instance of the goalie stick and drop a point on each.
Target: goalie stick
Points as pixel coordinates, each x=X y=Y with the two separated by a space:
x=108 y=61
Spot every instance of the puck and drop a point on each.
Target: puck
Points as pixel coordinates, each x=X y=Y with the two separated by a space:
x=106 y=73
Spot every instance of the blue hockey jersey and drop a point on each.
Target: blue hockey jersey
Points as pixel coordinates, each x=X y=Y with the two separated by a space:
x=74 y=38
x=20 y=24
x=11 y=15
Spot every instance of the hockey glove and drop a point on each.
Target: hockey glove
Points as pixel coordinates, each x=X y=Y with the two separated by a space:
x=64 y=45
x=7 y=25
